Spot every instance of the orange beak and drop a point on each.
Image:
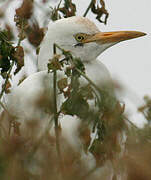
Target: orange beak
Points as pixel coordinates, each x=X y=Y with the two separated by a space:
x=113 y=37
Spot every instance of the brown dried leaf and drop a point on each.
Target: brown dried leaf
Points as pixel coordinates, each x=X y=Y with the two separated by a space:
x=54 y=63
x=69 y=9
x=25 y=11
x=19 y=58
x=62 y=84
x=34 y=34
x=99 y=11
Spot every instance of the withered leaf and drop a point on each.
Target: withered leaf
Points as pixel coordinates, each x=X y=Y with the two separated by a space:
x=34 y=34
x=69 y=9
x=25 y=11
x=62 y=83
x=54 y=63
x=99 y=11
x=19 y=58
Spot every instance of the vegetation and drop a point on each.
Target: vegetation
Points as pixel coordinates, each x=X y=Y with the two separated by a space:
x=118 y=144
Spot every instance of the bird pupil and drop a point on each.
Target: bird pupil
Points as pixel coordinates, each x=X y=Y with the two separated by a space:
x=80 y=37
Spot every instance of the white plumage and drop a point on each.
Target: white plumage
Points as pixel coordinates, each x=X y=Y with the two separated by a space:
x=22 y=102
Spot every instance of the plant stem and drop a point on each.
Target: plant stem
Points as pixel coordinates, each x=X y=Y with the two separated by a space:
x=55 y=92
x=130 y=122
x=57 y=131
x=89 y=80
x=92 y=83
x=88 y=8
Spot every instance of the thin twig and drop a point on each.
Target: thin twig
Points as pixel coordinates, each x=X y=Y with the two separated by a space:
x=130 y=122
x=57 y=133
x=89 y=80
x=88 y=8
x=59 y=4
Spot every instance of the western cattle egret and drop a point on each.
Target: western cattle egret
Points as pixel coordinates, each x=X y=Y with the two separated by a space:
x=83 y=39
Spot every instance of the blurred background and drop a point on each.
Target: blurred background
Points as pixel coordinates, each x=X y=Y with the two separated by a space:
x=128 y=62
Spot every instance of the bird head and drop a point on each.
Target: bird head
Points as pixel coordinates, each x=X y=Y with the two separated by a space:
x=81 y=37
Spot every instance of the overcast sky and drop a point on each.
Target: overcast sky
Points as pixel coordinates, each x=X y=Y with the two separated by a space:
x=130 y=61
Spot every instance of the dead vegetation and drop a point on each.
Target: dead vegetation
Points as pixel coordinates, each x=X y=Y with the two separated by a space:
x=119 y=149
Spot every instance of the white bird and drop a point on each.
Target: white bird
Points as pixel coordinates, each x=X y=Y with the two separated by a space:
x=83 y=39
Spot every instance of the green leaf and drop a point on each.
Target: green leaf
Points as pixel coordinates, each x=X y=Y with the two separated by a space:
x=87 y=92
x=75 y=105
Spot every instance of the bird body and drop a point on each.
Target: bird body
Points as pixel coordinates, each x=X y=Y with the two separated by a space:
x=83 y=39
x=39 y=85
x=32 y=99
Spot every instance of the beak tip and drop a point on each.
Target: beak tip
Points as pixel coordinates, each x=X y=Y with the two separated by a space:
x=142 y=34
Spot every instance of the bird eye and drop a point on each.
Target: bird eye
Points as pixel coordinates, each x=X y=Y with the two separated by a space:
x=80 y=37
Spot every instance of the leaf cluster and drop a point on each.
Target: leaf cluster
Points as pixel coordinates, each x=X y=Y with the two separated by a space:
x=67 y=10
x=98 y=110
x=6 y=52
x=99 y=11
x=9 y=53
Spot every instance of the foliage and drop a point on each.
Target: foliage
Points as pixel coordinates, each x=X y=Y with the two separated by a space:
x=116 y=140
x=6 y=52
